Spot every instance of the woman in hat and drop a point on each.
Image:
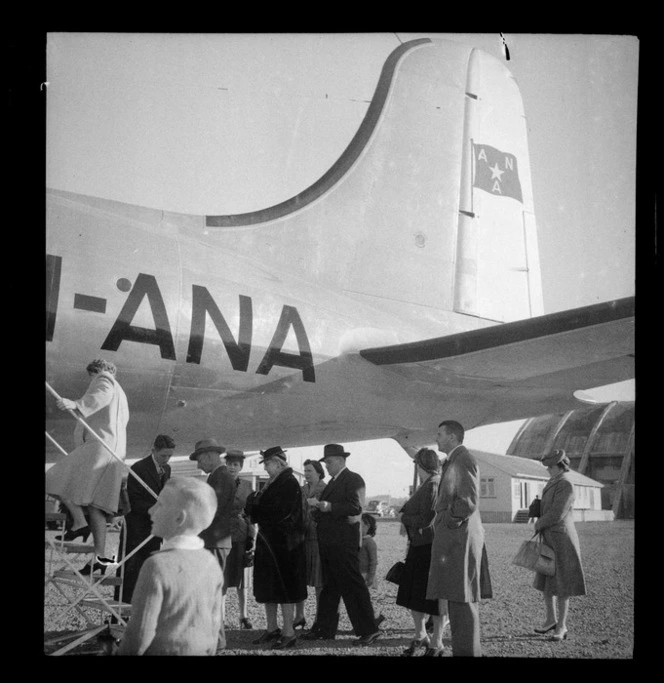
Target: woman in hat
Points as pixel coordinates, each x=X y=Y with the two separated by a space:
x=236 y=572
x=314 y=476
x=417 y=516
x=557 y=528
x=90 y=476
x=280 y=561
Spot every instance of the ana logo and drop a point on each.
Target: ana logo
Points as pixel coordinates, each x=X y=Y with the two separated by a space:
x=496 y=172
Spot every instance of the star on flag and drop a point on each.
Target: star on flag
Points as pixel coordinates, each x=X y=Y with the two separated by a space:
x=496 y=172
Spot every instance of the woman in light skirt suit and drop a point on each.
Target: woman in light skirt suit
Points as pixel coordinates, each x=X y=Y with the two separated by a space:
x=314 y=476
x=243 y=533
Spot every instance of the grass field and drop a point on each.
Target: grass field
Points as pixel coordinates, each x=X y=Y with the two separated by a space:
x=601 y=624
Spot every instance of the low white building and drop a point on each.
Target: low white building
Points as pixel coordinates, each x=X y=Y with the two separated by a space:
x=508 y=484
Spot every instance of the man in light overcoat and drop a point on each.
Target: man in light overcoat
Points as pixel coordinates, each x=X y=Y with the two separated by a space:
x=459 y=571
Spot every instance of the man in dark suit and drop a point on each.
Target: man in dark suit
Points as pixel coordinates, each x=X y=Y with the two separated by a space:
x=155 y=472
x=217 y=536
x=337 y=516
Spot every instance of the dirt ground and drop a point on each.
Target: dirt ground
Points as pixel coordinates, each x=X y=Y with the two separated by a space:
x=601 y=624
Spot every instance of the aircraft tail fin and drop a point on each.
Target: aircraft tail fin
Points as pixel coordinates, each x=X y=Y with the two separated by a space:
x=431 y=202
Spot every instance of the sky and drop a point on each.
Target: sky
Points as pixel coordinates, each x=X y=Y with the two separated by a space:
x=228 y=123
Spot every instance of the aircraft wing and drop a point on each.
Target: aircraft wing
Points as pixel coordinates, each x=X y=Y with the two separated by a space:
x=553 y=354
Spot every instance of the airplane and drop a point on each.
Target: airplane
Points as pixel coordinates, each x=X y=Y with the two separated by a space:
x=401 y=287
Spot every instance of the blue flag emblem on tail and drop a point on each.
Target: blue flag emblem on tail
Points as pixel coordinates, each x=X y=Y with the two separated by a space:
x=496 y=172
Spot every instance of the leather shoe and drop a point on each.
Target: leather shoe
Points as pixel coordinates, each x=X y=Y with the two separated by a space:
x=267 y=637
x=414 y=646
x=561 y=635
x=300 y=624
x=283 y=642
x=73 y=534
x=368 y=639
x=318 y=635
x=546 y=629
x=434 y=652
x=245 y=624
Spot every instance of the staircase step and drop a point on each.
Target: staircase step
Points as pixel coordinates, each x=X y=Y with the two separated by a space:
x=54 y=517
x=72 y=576
x=521 y=517
x=72 y=547
x=123 y=608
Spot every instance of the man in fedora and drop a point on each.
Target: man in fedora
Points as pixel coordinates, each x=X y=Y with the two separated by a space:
x=337 y=515
x=217 y=537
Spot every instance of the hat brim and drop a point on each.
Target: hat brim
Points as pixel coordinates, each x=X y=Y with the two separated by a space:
x=333 y=455
x=278 y=456
x=208 y=449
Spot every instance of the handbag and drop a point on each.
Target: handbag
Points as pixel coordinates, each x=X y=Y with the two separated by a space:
x=546 y=562
x=536 y=556
x=395 y=571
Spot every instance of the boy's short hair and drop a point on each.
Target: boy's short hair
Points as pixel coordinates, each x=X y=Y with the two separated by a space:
x=197 y=497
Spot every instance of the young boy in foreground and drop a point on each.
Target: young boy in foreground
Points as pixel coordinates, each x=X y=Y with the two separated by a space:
x=176 y=605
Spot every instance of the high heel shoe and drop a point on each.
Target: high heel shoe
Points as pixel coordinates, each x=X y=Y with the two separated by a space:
x=268 y=636
x=562 y=635
x=300 y=624
x=434 y=652
x=546 y=629
x=414 y=646
x=73 y=534
x=283 y=642
x=99 y=565
x=245 y=624
x=92 y=568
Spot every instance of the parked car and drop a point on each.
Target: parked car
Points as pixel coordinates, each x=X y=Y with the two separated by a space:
x=378 y=508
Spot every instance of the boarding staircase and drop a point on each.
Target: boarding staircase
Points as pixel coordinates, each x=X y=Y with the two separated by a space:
x=84 y=593
x=68 y=593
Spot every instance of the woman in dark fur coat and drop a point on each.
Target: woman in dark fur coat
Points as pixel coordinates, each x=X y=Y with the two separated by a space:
x=280 y=569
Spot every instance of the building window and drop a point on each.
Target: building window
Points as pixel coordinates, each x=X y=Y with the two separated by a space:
x=487 y=487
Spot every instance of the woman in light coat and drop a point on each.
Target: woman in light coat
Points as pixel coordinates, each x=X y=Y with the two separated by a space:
x=557 y=528
x=90 y=476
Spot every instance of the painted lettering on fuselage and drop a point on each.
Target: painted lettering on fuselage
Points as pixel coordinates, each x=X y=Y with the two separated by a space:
x=146 y=288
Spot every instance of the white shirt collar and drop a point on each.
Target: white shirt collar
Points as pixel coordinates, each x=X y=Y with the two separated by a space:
x=184 y=542
x=160 y=469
